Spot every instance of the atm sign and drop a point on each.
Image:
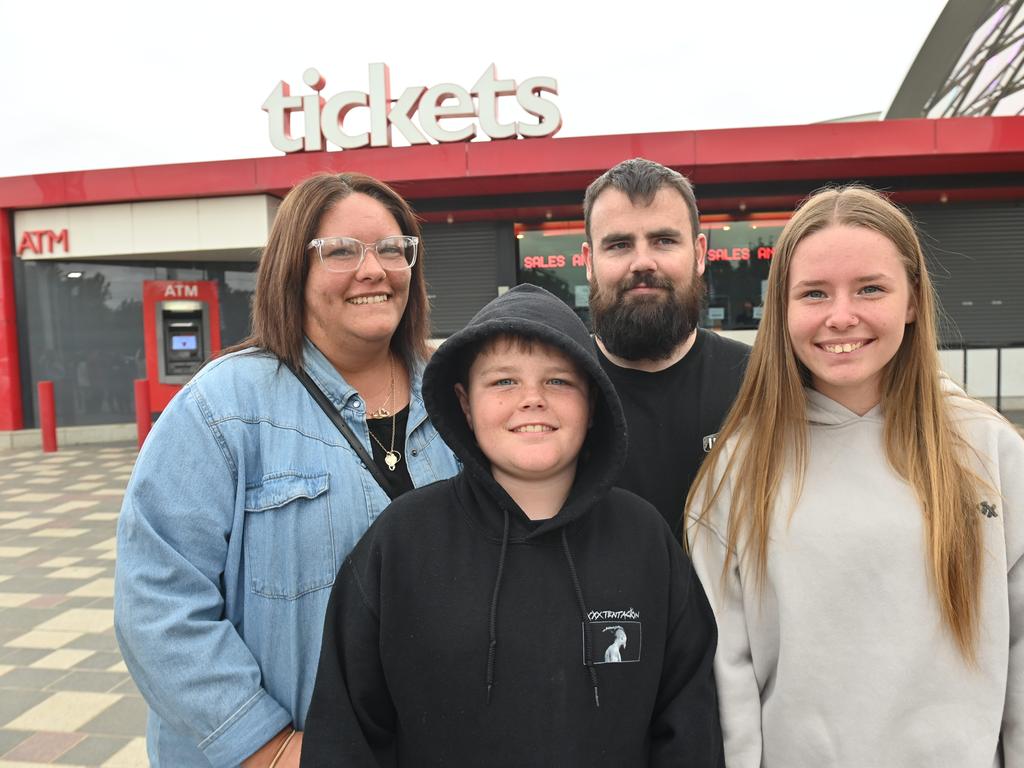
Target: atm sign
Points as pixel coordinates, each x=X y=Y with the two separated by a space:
x=38 y=240
x=181 y=291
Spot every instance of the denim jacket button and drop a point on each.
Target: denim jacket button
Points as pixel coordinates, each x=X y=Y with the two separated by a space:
x=414 y=452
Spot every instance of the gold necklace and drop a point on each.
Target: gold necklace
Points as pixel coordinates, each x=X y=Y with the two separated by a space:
x=391 y=456
x=383 y=412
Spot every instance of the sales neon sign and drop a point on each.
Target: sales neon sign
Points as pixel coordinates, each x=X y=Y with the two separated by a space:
x=419 y=114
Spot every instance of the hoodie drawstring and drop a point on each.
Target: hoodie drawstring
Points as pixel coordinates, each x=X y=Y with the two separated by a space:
x=588 y=639
x=493 y=624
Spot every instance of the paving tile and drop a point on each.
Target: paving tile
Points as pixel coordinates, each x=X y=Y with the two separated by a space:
x=12 y=515
x=104 y=660
x=93 y=750
x=106 y=544
x=30 y=678
x=60 y=562
x=128 y=687
x=71 y=506
x=15 y=599
x=21 y=657
x=132 y=756
x=16 y=551
x=119 y=667
x=65 y=711
x=81 y=620
x=25 y=523
x=43 y=480
x=91 y=642
x=80 y=572
x=90 y=680
x=10 y=739
x=65 y=658
x=59 y=533
x=13 y=706
x=46 y=601
x=126 y=717
x=38 y=638
x=99 y=588
x=102 y=517
x=44 y=747
x=34 y=496
x=88 y=486
x=33 y=583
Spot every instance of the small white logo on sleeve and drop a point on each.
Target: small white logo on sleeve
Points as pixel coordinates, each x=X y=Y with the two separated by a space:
x=709 y=442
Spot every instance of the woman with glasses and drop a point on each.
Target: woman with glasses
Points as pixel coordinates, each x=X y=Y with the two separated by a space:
x=248 y=495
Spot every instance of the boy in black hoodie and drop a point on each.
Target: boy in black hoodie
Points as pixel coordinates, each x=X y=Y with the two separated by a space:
x=524 y=612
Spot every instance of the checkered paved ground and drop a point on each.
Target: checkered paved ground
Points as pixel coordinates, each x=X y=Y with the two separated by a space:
x=65 y=696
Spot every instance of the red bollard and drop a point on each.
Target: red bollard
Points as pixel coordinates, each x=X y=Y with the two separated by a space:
x=47 y=416
x=143 y=416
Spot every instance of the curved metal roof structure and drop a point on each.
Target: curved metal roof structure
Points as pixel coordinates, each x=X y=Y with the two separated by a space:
x=972 y=64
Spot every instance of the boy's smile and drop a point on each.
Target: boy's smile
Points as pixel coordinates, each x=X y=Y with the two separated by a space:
x=528 y=406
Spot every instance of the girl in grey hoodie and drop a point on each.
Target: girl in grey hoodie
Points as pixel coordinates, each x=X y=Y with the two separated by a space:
x=859 y=525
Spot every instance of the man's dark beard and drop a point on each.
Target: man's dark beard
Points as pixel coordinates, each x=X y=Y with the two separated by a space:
x=646 y=327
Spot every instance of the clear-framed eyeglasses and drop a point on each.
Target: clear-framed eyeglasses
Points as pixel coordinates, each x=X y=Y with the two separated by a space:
x=346 y=254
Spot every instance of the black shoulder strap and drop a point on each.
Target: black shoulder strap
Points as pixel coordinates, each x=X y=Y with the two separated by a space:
x=331 y=412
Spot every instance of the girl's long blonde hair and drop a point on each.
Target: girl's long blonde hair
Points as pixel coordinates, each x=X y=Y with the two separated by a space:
x=921 y=442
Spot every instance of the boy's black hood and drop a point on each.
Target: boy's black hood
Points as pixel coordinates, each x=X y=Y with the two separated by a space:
x=530 y=311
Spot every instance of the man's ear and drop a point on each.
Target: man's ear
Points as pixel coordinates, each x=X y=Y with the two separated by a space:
x=700 y=251
x=588 y=260
x=463 y=395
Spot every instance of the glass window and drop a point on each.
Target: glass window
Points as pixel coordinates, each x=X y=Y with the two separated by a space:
x=549 y=256
x=739 y=255
x=84 y=330
x=736 y=273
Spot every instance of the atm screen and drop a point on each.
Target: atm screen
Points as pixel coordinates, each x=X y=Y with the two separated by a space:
x=183 y=343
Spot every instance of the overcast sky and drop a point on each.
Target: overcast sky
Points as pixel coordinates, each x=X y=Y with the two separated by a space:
x=103 y=84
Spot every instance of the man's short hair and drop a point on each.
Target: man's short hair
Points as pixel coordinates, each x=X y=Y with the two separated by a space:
x=640 y=179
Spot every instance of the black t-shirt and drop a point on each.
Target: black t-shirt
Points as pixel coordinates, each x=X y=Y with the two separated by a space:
x=668 y=415
x=399 y=480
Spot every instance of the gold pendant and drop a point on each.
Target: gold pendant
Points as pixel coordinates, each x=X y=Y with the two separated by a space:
x=391 y=458
x=380 y=413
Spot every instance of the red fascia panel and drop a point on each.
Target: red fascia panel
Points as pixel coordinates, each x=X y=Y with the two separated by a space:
x=10 y=370
x=774 y=153
x=395 y=165
x=590 y=155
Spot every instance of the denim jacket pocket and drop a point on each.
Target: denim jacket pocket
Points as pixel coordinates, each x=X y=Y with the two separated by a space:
x=289 y=541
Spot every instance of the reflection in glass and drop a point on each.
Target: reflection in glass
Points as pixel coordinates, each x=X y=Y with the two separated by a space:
x=84 y=330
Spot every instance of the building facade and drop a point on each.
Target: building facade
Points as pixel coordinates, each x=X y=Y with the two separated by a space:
x=75 y=248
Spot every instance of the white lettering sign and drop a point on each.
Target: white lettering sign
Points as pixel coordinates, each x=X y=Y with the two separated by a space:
x=432 y=107
x=177 y=291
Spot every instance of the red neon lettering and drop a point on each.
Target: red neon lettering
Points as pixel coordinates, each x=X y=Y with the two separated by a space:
x=544 y=262
x=578 y=260
x=741 y=254
x=765 y=253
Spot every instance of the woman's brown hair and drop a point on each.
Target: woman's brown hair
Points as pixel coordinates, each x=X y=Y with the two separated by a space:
x=279 y=307
x=921 y=442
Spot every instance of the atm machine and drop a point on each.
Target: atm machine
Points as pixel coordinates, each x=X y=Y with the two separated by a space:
x=181 y=322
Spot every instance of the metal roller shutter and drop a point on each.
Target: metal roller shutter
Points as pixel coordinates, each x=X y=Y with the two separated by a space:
x=461 y=269
x=974 y=257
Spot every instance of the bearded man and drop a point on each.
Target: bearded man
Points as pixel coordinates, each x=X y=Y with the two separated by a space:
x=645 y=264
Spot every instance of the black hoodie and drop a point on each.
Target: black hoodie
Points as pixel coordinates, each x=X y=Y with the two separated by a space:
x=461 y=633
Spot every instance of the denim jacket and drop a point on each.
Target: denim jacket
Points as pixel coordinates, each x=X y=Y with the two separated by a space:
x=244 y=502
